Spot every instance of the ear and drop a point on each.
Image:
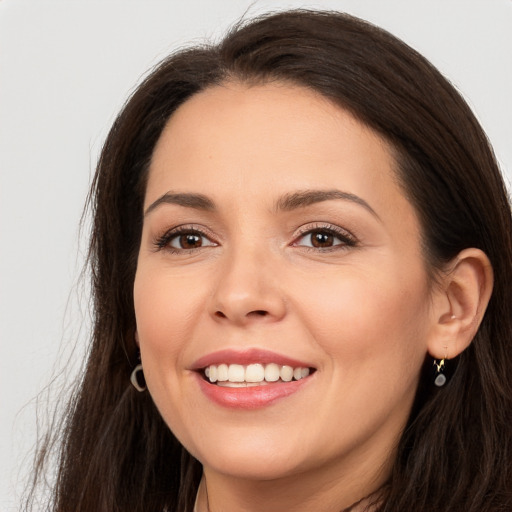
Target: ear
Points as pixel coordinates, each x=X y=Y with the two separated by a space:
x=136 y=336
x=460 y=303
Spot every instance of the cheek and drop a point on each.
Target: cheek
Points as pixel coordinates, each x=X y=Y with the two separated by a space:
x=360 y=315
x=372 y=328
x=166 y=312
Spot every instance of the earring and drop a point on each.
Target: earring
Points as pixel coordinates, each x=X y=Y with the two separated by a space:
x=440 y=379
x=136 y=377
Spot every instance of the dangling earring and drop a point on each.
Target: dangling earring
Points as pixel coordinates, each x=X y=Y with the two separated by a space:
x=440 y=379
x=137 y=378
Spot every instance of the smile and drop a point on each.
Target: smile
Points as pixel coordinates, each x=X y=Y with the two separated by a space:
x=237 y=375
x=251 y=378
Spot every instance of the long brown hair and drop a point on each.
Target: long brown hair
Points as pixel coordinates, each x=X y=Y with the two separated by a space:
x=456 y=452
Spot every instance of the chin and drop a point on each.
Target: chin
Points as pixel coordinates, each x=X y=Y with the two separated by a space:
x=254 y=457
x=251 y=466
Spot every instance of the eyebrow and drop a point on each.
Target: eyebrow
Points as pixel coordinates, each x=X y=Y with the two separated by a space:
x=304 y=198
x=196 y=201
x=287 y=202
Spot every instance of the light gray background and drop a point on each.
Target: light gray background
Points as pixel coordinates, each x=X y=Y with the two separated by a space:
x=65 y=69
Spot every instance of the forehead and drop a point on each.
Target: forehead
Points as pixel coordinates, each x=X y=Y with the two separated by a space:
x=269 y=139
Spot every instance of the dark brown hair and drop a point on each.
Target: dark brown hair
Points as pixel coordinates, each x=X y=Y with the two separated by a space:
x=456 y=453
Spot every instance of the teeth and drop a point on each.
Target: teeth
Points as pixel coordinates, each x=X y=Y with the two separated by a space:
x=272 y=372
x=222 y=373
x=240 y=384
x=286 y=373
x=237 y=375
x=255 y=373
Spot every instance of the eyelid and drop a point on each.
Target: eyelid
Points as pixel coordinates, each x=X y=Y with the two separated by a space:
x=162 y=242
x=343 y=234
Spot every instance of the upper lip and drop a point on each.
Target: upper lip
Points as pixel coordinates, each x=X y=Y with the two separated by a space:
x=247 y=356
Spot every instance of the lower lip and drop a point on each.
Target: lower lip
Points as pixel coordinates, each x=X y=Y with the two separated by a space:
x=253 y=397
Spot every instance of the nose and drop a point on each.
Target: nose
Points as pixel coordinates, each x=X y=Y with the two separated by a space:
x=248 y=290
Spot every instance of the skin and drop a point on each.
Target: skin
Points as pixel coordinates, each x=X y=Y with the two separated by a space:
x=363 y=312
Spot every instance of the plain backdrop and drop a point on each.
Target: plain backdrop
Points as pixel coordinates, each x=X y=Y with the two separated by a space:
x=65 y=69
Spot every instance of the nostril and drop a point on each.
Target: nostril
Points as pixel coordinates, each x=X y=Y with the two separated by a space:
x=240 y=316
x=258 y=312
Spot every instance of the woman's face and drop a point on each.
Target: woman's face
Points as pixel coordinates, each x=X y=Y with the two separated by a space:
x=275 y=235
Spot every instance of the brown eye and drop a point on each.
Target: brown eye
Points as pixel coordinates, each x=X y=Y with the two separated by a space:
x=186 y=241
x=189 y=241
x=322 y=239
x=325 y=238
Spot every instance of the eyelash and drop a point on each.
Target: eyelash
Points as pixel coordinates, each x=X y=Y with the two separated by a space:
x=164 y=241
x=346 y=238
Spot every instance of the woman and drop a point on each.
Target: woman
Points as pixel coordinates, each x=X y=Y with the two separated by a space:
x=301 y=245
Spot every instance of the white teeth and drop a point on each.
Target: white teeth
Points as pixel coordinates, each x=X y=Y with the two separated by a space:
x=237 y=375
x=272 y=372
x=286 y=373
x=255 y=373
x=240 y=384
x=222 y=373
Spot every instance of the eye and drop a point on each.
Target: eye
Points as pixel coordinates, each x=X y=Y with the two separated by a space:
x=325 y=238
x=320 y=239
x=183 y=239
x=189 y=241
